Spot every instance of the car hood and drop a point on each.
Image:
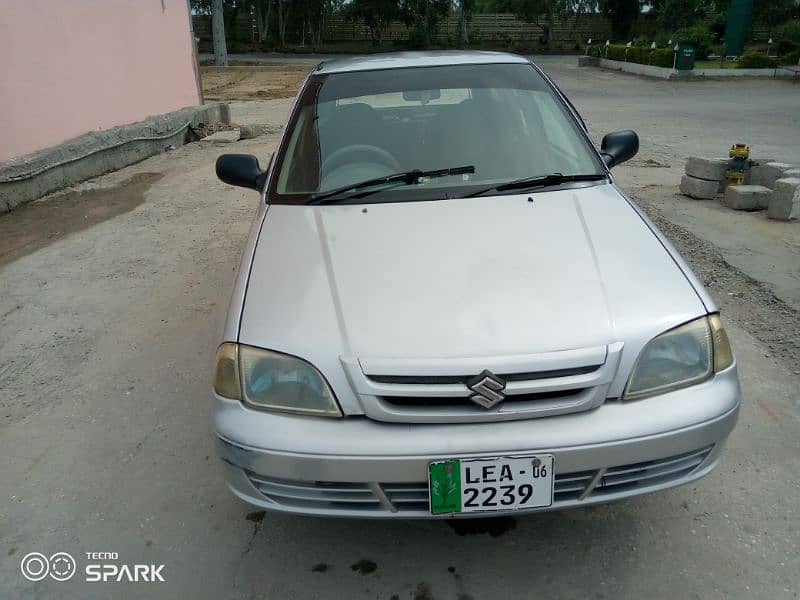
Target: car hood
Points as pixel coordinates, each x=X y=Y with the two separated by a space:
x=487 y=276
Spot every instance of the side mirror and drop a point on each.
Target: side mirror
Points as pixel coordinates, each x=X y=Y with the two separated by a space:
x=618 y=147
x=241 y=170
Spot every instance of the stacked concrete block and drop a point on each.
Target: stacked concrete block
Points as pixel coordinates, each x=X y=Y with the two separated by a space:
x=704 y=177
x=699 y=188
x=791 y=173
x=785 y=202
x=711 y=169
x=756 y=167
x=767 y=174
x=747 y=197
x=225 y=136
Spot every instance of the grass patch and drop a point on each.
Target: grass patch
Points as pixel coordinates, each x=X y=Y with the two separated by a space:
x=714 y=64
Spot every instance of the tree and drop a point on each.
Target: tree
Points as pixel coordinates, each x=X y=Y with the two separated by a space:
x=315 y=13
x=376 y=15
x=544 y=13
x=230 y=11
x=465 y=10
x=283 y=20
x=622 y=14
x=218 y=32
x=262 y=10
x=577 y=8
x=423 y=16
x=672 y=15
x=772 y=13
x=200 y=7
x=532 y=11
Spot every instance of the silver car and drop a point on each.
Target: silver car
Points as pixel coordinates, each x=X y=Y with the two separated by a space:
x=446 y=307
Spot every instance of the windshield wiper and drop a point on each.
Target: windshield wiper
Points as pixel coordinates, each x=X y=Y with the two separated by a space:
x=407 y=178
x=539 y=181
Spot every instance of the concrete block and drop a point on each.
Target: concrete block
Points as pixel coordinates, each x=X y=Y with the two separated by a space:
x=637 y=69
x=791 y=173
x=711 y=169
x=747 y=197
x=754 y=174
x=224 y=137
x=785 y=202
x=254 y=130
x=699 y=188
x=771 y=172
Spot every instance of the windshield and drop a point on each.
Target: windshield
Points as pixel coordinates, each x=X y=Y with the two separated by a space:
x=502 y=119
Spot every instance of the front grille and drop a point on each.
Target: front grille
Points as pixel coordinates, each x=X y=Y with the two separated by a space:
x=407 y=496
x=437 y=390
x=411 y=499
x=314 y=494
x=651 y=473
x=447 y=379
x=447 y=401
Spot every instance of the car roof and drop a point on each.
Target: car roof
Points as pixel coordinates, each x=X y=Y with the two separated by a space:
x=402 y=60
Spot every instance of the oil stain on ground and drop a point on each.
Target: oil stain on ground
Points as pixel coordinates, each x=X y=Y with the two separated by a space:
x=365 y=567
x=495 y=526
x=256 y=516
x=38 y=224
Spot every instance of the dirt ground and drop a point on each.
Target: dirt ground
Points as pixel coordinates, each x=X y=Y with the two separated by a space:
x=262 y=82
x=36 y=225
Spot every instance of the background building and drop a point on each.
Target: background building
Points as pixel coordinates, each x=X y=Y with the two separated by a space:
x=74 y=66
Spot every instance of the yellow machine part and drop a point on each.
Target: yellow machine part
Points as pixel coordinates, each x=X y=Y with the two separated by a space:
x=734 y=177
x=739 y=151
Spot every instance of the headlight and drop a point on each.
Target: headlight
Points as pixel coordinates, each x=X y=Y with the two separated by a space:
x=723 y=355
x=679 y=358
x=272 y=381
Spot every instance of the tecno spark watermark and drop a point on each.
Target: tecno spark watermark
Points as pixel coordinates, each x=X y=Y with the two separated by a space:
x=100 y=567
x=36 y=566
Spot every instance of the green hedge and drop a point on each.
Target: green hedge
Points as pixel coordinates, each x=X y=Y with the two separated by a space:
x=615 y=52
x=698 y=35
x=756 y=60
x=663 y=57
x=792 y=58
x=786 y=46
x=789 y=32
x=660 y=57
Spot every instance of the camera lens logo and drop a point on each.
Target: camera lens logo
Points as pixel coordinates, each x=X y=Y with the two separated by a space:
x=36 y=566
x=62 y=566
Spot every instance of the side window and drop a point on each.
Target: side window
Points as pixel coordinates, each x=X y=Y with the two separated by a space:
x=302 y=174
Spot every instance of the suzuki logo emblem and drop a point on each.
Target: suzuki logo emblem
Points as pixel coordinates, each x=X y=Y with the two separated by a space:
x=488 y=389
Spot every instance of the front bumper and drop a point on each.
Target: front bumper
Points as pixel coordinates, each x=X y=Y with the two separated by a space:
x=356 y=467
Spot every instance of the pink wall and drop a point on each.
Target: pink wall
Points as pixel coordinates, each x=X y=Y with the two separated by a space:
x=72 y=66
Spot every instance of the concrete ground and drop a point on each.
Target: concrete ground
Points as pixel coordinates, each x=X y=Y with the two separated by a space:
x=107 y=331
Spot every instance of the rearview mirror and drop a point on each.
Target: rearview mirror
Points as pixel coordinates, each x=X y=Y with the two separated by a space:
x=423 y=96
x=618 y=147
x=242 y=170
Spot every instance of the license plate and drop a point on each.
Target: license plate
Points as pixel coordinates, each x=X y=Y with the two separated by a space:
x=490 y=484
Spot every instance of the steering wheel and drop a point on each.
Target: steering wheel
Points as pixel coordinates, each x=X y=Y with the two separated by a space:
x=363 y=153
